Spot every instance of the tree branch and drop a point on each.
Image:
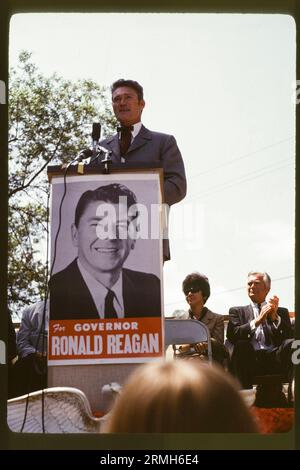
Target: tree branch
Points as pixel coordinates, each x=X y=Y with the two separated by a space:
x=23 y=186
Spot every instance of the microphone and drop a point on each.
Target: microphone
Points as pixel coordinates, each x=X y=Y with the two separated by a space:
x=103 y=149
x=96 y=132
x=84 y=154
x=97 y=150
x=87 y=153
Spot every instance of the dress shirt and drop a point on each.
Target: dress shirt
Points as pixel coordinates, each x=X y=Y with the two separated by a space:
x=259 y=332
x=99 y=291
x=136 y=129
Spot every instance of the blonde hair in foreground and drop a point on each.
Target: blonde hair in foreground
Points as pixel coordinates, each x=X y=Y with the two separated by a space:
x=180 y=396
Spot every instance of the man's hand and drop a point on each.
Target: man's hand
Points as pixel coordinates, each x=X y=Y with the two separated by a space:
x=265 y=310
x=273 y=303
x=268 y=310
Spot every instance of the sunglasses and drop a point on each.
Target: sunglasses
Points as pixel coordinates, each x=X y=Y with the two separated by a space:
x=191 y=289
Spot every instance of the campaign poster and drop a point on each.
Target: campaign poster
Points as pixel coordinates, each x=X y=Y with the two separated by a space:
x=106 y=297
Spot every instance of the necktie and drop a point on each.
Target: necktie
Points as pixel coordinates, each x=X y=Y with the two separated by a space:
x=109 y=309
x=125 y=140
x=265 y=329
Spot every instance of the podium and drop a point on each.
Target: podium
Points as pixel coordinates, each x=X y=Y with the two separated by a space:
x=106 y=242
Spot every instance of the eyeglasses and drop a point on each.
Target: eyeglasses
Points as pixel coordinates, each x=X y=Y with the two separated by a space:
x=191 y=289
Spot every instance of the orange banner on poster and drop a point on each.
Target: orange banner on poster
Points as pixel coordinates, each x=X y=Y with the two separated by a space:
x=113 y=340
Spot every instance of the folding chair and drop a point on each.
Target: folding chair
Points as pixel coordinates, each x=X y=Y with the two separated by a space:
x=187 y=332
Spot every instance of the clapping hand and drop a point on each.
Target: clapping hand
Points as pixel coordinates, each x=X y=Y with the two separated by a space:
x=273 y=305
x=269 y=309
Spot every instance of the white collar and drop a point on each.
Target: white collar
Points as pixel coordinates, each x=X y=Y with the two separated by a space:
x=136 y=129
x=255 y=305
x=99 y=291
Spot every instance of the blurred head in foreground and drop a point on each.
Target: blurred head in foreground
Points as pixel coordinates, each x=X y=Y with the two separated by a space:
x=180 y=396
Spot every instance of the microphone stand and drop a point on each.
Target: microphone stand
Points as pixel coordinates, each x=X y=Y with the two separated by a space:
x=96 y=132
x=106 y=161
x=100 y=151
x=96 y=153
x=94 y=156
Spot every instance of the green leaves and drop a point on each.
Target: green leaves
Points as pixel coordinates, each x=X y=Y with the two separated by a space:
x=50 y=121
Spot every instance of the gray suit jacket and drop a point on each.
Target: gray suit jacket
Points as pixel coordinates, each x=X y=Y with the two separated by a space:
x=33 y=332
x=149 y=146
x=214 y=322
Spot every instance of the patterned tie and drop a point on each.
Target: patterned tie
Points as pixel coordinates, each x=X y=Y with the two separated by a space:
x=125 y=140
x=265 y=329
x=109 y=309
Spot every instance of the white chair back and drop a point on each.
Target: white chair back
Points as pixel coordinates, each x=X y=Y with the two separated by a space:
x=66 y=410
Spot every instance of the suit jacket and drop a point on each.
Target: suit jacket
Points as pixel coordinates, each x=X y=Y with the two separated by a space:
x=33 y=332
x=214 y=323
x=71 y=299
x=239 y=325
x=149 y=146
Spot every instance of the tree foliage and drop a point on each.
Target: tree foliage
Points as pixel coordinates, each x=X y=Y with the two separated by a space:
x=49 y=123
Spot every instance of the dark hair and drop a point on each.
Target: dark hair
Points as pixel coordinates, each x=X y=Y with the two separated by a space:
x=131 y=84
x=110 y=193
x=199 y=281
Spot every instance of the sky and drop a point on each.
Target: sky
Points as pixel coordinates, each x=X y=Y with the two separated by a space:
x=224 y=86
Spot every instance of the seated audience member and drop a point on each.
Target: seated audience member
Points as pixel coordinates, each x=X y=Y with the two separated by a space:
x=12 y=354
x=30 y=371
x=11 y=343
x=179 y=396
x=261 y=334
x=196 y=289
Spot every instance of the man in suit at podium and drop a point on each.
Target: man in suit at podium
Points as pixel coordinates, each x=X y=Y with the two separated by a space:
x=134 y=143
x=95 y=284
x=260 y=333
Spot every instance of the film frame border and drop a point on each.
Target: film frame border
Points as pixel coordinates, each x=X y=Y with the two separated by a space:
x=10 y=440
